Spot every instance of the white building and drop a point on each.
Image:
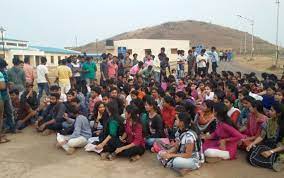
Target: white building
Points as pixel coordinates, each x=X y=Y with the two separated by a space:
x=141 y=46
x=21 y=49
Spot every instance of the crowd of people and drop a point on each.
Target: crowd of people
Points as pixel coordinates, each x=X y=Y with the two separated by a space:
x=188 y=116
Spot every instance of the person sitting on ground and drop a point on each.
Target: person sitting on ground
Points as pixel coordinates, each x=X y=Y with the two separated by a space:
x=23 y=113
x=94 y=98
x=243 y=118
x=100 y=119
x=52 y=117
x=131 y=144
x=269 y=146
x=168 y=113
x=186 y=155
x=154 y=124
x=223 y=142
x=233 y=112
x=115 y=129
x=79 y=138
x=205 y=120
x=30 y=96
x=238 y=102
x=256 y=122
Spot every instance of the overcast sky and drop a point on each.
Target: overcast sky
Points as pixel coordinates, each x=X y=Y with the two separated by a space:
x=57 y=22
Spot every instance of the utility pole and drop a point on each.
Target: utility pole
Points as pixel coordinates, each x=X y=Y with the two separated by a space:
x=252 y=34
x=76 y=41
x=2 y=30
x=277 y=33
x=97 y=45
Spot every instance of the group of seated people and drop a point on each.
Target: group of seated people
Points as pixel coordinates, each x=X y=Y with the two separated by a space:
x=186 y=121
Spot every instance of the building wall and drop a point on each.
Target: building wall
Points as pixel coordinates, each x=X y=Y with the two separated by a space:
x=139 y=45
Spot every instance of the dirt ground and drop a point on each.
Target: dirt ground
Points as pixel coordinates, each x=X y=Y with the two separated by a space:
x=262 y=64
x=30 y=155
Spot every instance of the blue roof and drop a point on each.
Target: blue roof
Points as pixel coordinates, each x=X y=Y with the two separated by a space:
x=55 y=50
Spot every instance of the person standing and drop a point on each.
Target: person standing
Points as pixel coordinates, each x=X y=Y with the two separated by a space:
x=112 y=68
x=9 y=123
x=135 y=59
x=42 y=78
x=127 y=62
x=89 y=69
x=29 y=71
x=191 y=63
x=64 y=75
x=3 y=138
x=104 y=71
x=213 y=56
x=157 y=69
x=16 y=76
x=180 y=64
x=201 y=61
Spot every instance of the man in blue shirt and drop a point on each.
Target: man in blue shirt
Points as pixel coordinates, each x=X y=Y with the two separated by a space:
x=214 y=57
x=9 y=123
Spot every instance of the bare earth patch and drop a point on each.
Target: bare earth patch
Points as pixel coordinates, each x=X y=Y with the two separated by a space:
x=30 y=155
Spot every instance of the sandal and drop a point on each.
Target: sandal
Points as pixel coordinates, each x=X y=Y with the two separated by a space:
x=4 y=139
x=134 y=158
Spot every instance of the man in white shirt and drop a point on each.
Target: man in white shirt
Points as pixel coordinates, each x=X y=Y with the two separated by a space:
x=214 y=58
x=201 y=62
x=42 y=78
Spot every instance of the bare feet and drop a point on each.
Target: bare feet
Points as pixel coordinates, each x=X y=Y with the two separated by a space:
x=4 y=139
x=135 y=158
x=104 y=156
x=46 y=132
x=70 y=151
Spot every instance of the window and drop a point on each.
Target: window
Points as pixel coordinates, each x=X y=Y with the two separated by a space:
x=174 y=50
x=22 y=45
x=59 y=58
x=1 y=43
x=52 y=59
x=11 y=44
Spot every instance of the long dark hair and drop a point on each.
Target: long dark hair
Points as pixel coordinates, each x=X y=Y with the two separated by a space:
x=186 y=119
x=221 y=114
x=258 y=106
x=96 y=109
x=150 y=101
x=133 y=111
x=209 y=104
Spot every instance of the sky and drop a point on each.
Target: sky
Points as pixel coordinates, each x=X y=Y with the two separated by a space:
x=57 y=23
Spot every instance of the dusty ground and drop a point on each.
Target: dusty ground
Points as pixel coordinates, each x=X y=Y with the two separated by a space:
x=261 y=63
x=30 y=155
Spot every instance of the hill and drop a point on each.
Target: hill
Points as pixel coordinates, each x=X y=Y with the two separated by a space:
x=197 y=32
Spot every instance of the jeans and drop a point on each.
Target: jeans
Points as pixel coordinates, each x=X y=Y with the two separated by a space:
x=41 y=87
x=180 y=74
x=202 y=70
x=179 y=162
x=157 y=77
x=150 y=142
x=9 y=122
x=214 y=67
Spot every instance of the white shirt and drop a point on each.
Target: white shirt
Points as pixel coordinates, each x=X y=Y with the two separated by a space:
x=199 y=61
x=41 y=70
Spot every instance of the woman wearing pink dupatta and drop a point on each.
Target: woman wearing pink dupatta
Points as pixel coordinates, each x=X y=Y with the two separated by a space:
x=223 y=142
